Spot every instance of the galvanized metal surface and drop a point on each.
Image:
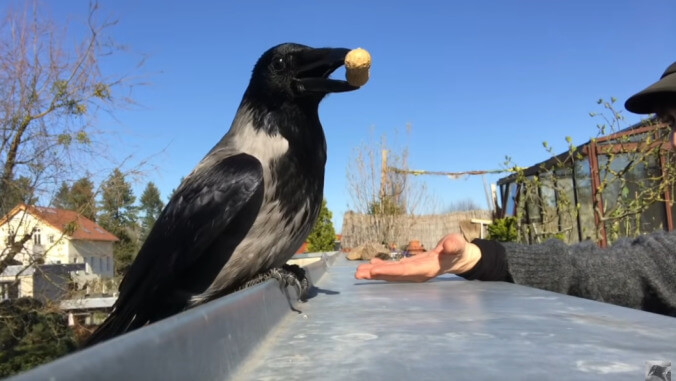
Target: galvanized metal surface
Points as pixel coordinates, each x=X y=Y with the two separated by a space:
x=446 y=329
x=451 y=329
x=205 y=343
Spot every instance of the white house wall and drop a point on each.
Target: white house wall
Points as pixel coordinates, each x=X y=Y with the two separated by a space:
x=96 y=255
x=52 y=242
x=25 y=286
x=57 y=248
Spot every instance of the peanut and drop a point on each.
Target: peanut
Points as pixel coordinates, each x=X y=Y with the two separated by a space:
x=357 y=66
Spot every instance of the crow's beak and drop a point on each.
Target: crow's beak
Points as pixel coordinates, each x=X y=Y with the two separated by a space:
x=315 y=66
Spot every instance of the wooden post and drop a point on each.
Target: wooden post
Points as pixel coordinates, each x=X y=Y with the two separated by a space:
x=383 y=174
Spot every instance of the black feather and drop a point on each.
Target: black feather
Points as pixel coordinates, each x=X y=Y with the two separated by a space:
x=248 y=205
x=175 y=261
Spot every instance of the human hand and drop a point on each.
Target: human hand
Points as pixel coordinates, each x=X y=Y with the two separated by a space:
x=451 y=255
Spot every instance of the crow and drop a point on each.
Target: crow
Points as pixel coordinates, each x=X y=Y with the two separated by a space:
x=248 y=205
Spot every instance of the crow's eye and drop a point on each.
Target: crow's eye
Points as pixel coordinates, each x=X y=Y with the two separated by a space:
x=278 y=64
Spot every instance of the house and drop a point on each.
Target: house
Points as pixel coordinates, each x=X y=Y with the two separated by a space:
x=58 y=237
x=43 y=282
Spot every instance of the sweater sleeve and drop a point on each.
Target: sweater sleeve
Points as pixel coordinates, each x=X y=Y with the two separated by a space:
x=638 y=273
x=492 y=265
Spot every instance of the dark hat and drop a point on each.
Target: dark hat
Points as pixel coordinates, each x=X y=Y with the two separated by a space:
x=656 y=95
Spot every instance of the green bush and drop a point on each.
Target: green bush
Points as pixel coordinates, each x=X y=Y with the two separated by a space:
x=31 y=335
x=503 y=230
x=323 y=235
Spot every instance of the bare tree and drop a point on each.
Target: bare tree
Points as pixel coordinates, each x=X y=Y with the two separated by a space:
x=387 y=197
x=50 y=95
x=463 y=205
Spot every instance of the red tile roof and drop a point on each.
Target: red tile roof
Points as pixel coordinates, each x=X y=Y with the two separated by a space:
x=85 y=229
x=302 y=249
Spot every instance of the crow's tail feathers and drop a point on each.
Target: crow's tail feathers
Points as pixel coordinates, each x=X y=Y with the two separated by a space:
x=117 y=323
x=128 y=316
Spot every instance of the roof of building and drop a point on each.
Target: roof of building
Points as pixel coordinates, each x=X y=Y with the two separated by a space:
x=50 y=268
x=643 y=126
x=88 y=303
x=71 y=223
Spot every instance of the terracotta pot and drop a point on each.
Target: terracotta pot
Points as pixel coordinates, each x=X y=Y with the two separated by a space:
x=414 y=247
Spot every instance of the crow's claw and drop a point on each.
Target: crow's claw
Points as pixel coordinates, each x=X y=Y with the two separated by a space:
x=287 y=275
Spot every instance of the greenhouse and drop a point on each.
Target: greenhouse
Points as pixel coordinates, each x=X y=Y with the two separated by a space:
x=618 y=185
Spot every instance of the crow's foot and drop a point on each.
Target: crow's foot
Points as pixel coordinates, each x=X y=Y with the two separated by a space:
x=287 y=275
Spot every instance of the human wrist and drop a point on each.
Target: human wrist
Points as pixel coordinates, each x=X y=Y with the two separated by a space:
x=492 y=264
x=469 y=259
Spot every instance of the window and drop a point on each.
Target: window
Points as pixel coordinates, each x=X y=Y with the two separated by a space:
x=37 y=237
x=583 y=192
x=9 y=290
x=510 y=191
x=51 y=238
x=627 y=179
x=10 y=236
x=565 y=204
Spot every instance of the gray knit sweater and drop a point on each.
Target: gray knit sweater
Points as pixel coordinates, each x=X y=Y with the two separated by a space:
x=638 y=273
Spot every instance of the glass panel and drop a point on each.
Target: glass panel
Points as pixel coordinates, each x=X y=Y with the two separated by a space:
x=636 y=138
x=565 y=205
x=550 y=220
x=531 y=201
x=625 y=183
x=654 y=218
x=670 y=168
x=511 y=199
x=583 y=189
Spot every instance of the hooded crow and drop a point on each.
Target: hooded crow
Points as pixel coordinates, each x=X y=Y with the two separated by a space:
x=248 y=205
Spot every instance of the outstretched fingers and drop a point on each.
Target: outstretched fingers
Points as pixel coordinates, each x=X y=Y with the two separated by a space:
x=420 y=268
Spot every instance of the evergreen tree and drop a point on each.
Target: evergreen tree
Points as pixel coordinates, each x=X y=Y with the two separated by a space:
x=323 y=235
x=151 y=206
x=31 y=334
x=117 y=214
x=61 y=199
x=82 y=198
x=18 y=191
x=79 y=198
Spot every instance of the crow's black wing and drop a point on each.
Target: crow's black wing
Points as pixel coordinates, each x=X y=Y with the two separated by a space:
x=191 y=241
x=201 y=211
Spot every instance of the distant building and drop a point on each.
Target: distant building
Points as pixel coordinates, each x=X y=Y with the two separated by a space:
x=58 y=237
x=43 y=282
x=573 y=196
x=87 y=311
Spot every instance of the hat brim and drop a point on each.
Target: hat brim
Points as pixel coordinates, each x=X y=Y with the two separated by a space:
x=654 y=97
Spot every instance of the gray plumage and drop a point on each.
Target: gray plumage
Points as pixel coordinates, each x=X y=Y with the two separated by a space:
x=248 y=205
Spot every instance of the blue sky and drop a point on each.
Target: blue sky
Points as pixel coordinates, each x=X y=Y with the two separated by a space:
x=476 y=80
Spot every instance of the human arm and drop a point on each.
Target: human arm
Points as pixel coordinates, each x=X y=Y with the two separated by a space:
x=451 y=255
x=638 y=273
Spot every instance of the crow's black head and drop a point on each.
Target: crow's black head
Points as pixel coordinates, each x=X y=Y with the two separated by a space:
x=290 y=72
